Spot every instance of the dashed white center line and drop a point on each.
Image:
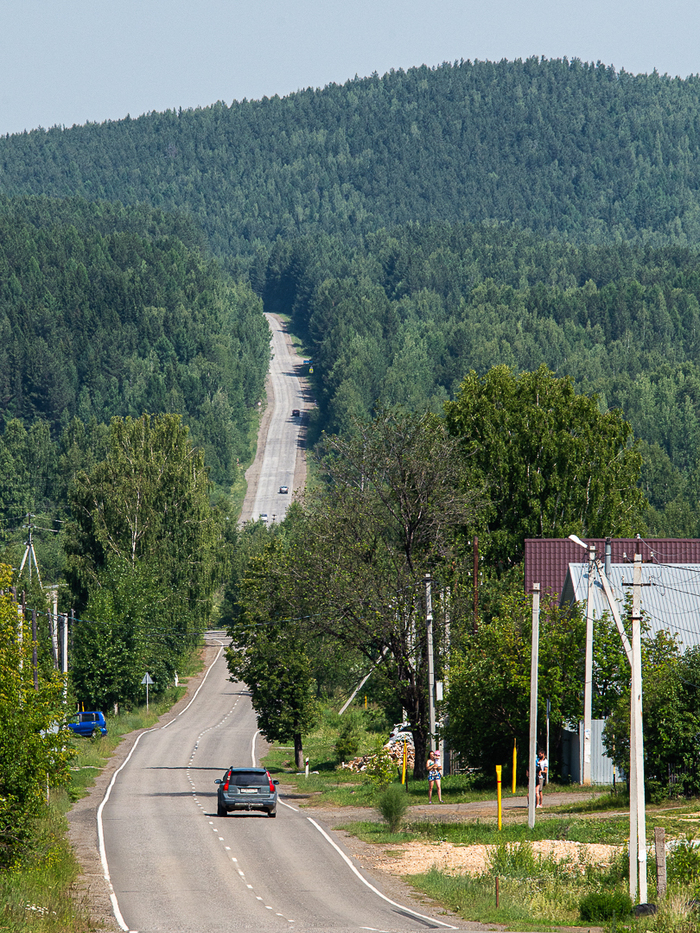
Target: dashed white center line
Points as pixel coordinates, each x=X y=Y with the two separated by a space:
x=215 y=828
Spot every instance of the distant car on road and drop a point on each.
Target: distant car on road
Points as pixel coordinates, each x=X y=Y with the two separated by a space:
x=284 y=490
x=263 y=517
x=246 y=789
x=296 y=413
x=86 y=724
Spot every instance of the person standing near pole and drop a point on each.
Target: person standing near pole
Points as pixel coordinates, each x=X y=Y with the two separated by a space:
x=434 y=770
x=541 y=768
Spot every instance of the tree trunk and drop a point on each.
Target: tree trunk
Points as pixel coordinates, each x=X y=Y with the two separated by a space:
x=298 y=752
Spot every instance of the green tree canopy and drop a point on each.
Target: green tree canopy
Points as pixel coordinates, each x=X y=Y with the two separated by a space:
x=32 y=750
x=142 y=518
x=553 y=462
x=389 y=512
x=269 y=651
x=489 y=681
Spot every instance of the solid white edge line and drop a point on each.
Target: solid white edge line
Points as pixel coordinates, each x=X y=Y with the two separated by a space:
x=252 y=748
x=288 y=806
x=371 y=886
x=218 y=655
x=100 y=831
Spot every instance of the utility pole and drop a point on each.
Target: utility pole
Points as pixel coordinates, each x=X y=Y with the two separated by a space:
x=431 y=667
x=53 y=624
x=475 y=623
x=636 y=726
x=533 y=702
x=64 y=654
x=30 y=553
x=633 y=653
x=588 y=682
x=35 y=658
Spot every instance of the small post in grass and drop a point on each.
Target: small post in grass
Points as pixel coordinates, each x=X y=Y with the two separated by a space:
x=515 y=764
x=660 y=844
x=497 y=892
x=499 y=768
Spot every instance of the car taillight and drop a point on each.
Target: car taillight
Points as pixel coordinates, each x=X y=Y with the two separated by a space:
x=272 y=786
x=226 y=783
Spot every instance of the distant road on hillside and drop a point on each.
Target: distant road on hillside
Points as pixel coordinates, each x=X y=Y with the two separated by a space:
x=279 y=461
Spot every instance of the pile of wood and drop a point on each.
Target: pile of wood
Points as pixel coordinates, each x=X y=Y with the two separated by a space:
x=394 y=750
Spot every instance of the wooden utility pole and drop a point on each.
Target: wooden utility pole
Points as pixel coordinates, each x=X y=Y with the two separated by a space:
x=35 y=658
x=533 y=701
x=475 y=624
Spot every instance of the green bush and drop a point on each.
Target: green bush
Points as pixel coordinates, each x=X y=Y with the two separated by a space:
x=348 y=743
x=599 y=906
x=392 y=805
x=381 y=770
x=683 y=864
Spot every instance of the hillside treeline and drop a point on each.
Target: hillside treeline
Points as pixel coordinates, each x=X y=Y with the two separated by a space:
x=108 y=311
x=549 y=144
x=401 y=318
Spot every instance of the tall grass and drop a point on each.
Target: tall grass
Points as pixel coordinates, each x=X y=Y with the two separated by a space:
x=35 y=896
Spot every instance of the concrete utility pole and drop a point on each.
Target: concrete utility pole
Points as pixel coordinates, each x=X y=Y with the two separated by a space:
x=431 y=666
x=633 y=653
x=588 y=683
x=533 y=701
x=636 y=727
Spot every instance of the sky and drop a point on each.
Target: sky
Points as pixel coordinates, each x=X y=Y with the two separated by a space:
x=72 y=61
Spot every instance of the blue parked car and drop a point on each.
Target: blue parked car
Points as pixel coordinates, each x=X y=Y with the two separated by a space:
x=87 y=724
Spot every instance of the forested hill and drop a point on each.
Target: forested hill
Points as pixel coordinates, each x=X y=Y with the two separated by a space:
x=107 y=311
x=551 y=145
x=403 y=317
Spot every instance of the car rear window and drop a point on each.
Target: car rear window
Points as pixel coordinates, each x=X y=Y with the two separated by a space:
x=249 y=778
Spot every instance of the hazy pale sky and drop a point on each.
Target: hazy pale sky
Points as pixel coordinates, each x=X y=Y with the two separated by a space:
x=73 y=61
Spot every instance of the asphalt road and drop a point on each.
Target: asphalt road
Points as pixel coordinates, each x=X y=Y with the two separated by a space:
x=284 y=433
x=176 y=867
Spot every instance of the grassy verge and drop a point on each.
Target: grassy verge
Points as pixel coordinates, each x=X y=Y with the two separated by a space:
x=35 y=896
x=484 y=832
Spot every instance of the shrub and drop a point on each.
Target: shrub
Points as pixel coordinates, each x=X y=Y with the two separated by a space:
x=392 y=805
x=348 y=743
x=683 y=866
x=605 y=905
x=381 y=770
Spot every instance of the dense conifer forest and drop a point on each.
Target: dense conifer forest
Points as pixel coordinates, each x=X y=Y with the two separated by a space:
x=108 y=311
x=415 y=226
x=560 y=145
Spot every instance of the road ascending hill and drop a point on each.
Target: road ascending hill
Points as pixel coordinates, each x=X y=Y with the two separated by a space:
x=282 y=432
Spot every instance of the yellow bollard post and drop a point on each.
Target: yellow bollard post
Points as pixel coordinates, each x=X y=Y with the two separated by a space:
x=499 y=768
x=405 y=755
x=515 y=764
x=365 y=701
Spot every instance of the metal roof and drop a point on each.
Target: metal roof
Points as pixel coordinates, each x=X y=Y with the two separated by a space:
x=670 y=598
x=547 y=559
